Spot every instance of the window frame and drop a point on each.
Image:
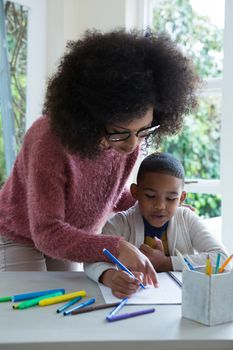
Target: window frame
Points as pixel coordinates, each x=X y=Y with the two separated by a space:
x=35 y=73
x=213 y=85
x=224 y=185
x=36 y=57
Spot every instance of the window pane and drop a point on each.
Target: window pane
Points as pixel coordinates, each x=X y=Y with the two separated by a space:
x=199 y=31
x=16 y=30
x=198 y=144
x=196 y=28
x=206 y=205
x=16 y=22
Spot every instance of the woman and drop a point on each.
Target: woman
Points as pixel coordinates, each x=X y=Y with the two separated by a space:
x=111 y=92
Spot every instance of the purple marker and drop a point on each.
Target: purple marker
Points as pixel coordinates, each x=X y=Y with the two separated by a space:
x=128 y=315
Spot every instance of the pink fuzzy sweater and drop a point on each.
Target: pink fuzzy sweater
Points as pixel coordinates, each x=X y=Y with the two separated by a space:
x=59 y=202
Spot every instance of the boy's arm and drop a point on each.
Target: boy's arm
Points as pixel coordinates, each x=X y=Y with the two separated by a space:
x=125 y=201
x=95 y=270
x=203 y=242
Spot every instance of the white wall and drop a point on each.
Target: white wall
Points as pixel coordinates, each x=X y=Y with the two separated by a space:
x=52 y=23
x=68 y=19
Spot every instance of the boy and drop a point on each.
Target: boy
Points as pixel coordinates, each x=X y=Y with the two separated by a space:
x=157 y=225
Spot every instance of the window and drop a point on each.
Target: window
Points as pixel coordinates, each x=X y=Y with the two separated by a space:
x=199 y=32
x=26 y=44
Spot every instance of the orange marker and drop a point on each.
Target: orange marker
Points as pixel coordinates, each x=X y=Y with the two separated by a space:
x=225 y=263
x=210 y=269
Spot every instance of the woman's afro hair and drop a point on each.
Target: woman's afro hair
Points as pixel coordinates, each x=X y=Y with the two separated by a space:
x=114 y=77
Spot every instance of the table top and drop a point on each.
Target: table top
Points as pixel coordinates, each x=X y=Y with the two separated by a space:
x=41 y=328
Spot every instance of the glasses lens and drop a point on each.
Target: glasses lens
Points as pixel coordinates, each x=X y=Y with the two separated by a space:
x=114 y=137
x=147 y=132
x=119 y=137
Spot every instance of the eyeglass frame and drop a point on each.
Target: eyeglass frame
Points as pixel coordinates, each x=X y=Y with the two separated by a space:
x=130 y=133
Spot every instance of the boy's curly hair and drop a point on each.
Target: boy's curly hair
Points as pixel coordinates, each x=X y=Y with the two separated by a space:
x=114 y=78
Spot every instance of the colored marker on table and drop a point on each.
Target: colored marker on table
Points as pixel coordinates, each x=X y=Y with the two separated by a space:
x=62 y=298
x=117 y=308
x=120 y=265
x=129 y=315
x=31 y=295
x=3 y=299
x=93 y=308
x=70 y=303
x=80 y=306
x=221 y=269
x=32 y=302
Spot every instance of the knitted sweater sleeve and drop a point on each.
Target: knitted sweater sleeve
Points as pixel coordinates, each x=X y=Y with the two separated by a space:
x=46 y=183
x=125 y=201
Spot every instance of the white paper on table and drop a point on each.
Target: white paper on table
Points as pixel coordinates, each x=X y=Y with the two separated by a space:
x=169 y=292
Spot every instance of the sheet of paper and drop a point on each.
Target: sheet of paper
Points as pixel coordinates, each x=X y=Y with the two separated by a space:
x=169 y=292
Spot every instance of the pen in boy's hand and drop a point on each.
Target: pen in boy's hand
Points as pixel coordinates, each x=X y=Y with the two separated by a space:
x=120 y=265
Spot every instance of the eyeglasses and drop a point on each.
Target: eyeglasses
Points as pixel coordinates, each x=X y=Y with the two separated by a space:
x=123 y=136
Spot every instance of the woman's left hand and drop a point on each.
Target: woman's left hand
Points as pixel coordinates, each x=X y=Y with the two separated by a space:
x=134 y=260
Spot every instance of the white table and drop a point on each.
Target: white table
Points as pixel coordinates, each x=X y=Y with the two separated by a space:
x=41 y=328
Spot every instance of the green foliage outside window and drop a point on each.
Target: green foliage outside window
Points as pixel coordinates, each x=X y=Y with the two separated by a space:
x=198 y=144
x=16 y=27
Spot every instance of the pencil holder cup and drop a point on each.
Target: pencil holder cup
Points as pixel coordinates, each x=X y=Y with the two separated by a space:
x=207 y=299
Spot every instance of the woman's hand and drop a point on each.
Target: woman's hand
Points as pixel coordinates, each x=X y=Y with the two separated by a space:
x=122 y=284
x=189 y=206
x=134 y=260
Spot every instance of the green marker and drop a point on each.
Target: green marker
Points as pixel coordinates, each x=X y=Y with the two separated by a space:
x=5 y=299
x=35 y=301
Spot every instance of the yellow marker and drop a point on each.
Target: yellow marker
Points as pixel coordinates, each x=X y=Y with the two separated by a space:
x=225 y=263
x=207 y=265
x=210 y=269
x=62 y=298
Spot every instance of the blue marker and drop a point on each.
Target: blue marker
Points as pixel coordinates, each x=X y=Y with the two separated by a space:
x=120 y=265
x=217 y=263
x=189 y=265
x=32 y=295
x=70 y=303
x=117 y=308
x=80 y=306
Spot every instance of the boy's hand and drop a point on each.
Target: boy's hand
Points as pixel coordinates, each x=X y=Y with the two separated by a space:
x=122 y=284
x=159 y=260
